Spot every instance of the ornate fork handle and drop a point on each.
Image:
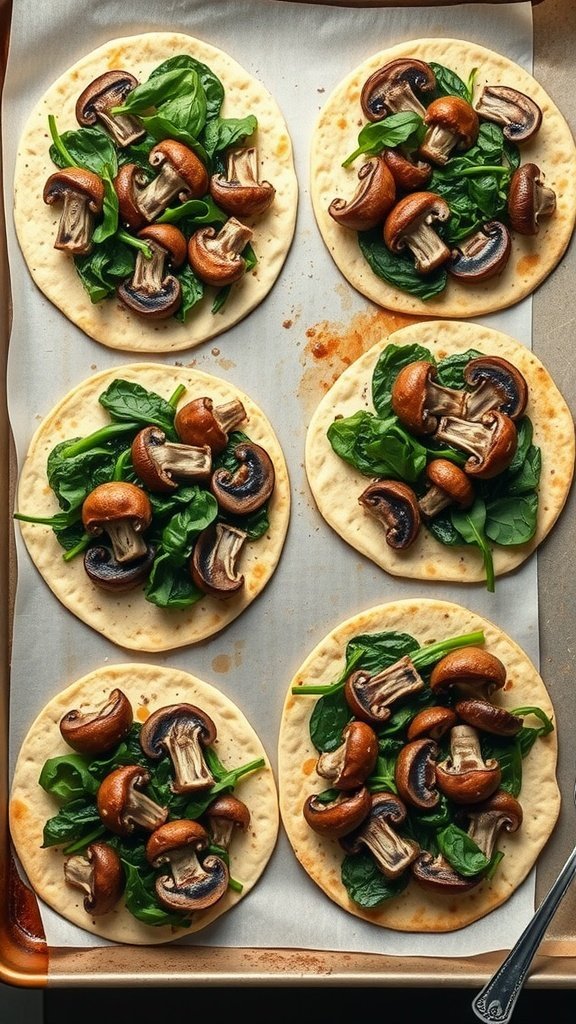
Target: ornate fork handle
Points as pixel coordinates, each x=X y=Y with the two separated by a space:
x=496 y=1001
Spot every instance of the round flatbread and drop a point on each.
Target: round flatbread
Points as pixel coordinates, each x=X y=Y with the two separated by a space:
x=416 y=909
x=129 y=619
x=552 y=149
x=336 y=485
x=108 y=321
x=148 y=688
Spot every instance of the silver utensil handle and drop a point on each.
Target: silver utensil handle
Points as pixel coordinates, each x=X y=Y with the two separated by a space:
x=496 y=1001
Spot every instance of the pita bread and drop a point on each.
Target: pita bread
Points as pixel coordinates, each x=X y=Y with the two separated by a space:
x=552 y=149
x=416 y=909
x=148 y=687
x=108 y=321
x=129 y=619
x=336 y=485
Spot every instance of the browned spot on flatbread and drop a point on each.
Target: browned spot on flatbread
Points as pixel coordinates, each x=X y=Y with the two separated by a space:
x=142 y=713
x=526 y=264
x=309 y=766
x=18 y=810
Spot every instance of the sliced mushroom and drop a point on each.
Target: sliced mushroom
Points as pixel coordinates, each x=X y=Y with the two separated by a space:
x=483 y=715
x=392 y=852
x=409 y=175
x=200 y=422
x=395 y=87
x=97 y=101
x=226 y=815
x=529 y=199
x=496 y=384
x=214 y=560
x=181 y=175
x=482 y=255
x=152 y=292
x=431 y=722
x=370 y=697
x=241 y=193
x=436 y=874
x=108 y=574
x=81 y=193
x=409 y=226
x=337 y=817
x=520 y=116
x=415 y=773
x=350 y=764
x=123 y=806
x=160 y=464
x=98 y=873
x=190 y=885
x=98 y=731
x=472 y=671
x=418 y=400
x=449 y=485
x=464 y=776
x=181 y=731
x=395 y=505
x=249 y=487
x=215 y=257
x=487 y=820
x=128 y=184
x=372 y=200
x=123 y=511
x=452 y=125
x=490 y=442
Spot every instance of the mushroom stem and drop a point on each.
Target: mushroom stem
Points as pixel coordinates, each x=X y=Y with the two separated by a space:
x=76 y=224
x=127 y=542
x=393 y=854
x=156 y=196
x=79 y=872
x=433 y=502
x=438 y=144
x=143 y=811
x=149 y=272
x=465 y=753
x=371 y=696
x=183 y=745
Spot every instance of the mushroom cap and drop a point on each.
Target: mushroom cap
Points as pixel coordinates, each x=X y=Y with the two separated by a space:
x=175 y=835
x=213 y=560
x=355 y=758
x=456 y=115
x=502 y=447
x=528 y=199
x=409 y=175
x=75 y=179
x=431 y=722
x=394 y=504
x=483 y=255
x=104 y=877
x=228 y=807
x=116 y=500
x=487 y=717
x=113 y=794
x=416 y=73
x=157 y=462
x=507 y=381
x=338 y=817
x=415 y=773
x=170 y=238
x=502 y=805
x=385 y=808
x=185 y=163
x=435 y=873
x=518 y=113
x=409 y=210
x=370 y=696
x=452 y=480
x=409 y=396
x=96 y=732
x=126 y=184
x=249 y=487
x=156 y=305
x=216 y=265
x=199 y=423
x=160 y=722
x=108 y=574
x=191 y=887
x=240 y=193
x=464 y=776
x=116 y=83
x=372 y=200
x=470 y=670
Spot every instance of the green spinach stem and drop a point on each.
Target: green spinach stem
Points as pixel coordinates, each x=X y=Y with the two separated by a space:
x=58 y=142
x=98 y=437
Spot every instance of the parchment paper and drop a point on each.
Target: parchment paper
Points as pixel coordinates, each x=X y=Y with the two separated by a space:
x=300 y=52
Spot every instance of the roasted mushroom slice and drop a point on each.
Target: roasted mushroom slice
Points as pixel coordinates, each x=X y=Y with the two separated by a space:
x=529 y=199
x=350 y=764
x=452 y=125
x=128 y=184
x=215 y=257
x=97 y=731
x=395 y=505
x=482 y=255
x=226 y=815
x=97 y=101
x=108 y=574
x=464 y=776
x=160 y=464
x=409 y=226
x=370 y=697
x=181 y=731
x=98 y=873
x=392 y=852
x=122 y=804
x=200 y=422
x=123 y=511
x=519 y=114
x=152 y=292
x=181 y=175
x=241 y=193
x=214 y=560
x=483 y=715
x=335 y=817
x=415 y=773
x=487 y=820
x=490 y=442
x=81 y=193
x=431 y=722
x=409 y=175
x=395 y=87
x=249 y=487
x=374 y=197
x=449 y=485
x=436 y=874
x=418 y=400
x=472 y=671
x=190 y=885
x=495 y=384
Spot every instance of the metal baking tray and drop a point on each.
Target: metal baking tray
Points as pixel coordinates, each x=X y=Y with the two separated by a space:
x=27 y=960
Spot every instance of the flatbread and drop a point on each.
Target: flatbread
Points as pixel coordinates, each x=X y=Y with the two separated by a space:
x=109 y=322
x=129 y=619
x=336 y=485
x=552 y=149
x=148 y=687
x=415 y=909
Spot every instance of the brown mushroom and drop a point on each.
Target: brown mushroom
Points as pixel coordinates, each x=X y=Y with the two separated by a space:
x=501 y=812
x=490 y=442
x=529 y=199
x=496 y=384
x=160 y=464
x=409 y=226
x=240 y=193
x=395 y=505
x=452 y=125
x=213 y=563
x=464 y=776
x=470 y=670
x=391 y=852
x=395 y=87
x=226 y=815
x=437 y=875
x=350 y=764
x=483 y=715
x=215 y=257
x=128 y=184
x=519 y=114
x=431 y=722
x=123 y=806
x=97 y=101
x=482 y=255
x=105 y=572
x=337 y=816
x=181 y=731
x=370 y=697
x=190 y=886
x=449 y=485
x=81 y=193
x=409 y=175
x=372 y=200
x=418 y=400
x=181 y=174
x=415 y=773
x=98 y=873
x=123 y=511
x=152 y=292
x=250 y=486
x=98 y=731
x=200 y=422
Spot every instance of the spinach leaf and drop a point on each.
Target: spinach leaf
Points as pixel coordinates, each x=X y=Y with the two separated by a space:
x=102 y=269
x=88 y=147
x=162 y=87
x=443 y=530
x=383 y=777
x=403 y=129
x=74 y=821
x=125 y=400
x=393 y=359
x=512 y=520
x=108 y=226
x=448 y=83
x=221 y=133
x=398 y=270
x=376 y=651
x=226 y=780
x=451 y=369
x=365 y=884
x=140 y=899
x=68 y=778
x=528 y=476
x=508 y=753
x=213 y=88
x=377 y=447
x=328 y=719
x=72 y=479
x=470 y=524
x=170 y=584
x=192 y=293
x=461 y=851
x=195 y=213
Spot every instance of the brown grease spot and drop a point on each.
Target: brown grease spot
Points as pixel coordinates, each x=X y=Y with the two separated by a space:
x=526 y=264
x=309 y=766
x=18 y=809
x=222 y=663
x=142 y=714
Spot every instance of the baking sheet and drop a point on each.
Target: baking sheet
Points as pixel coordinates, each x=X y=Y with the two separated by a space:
x=270 y=356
